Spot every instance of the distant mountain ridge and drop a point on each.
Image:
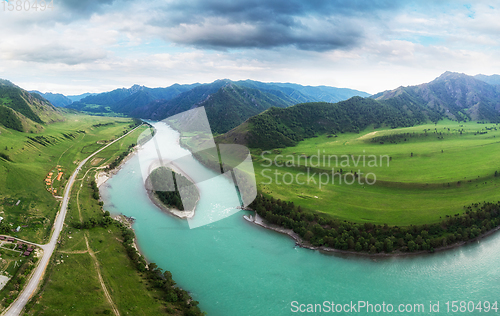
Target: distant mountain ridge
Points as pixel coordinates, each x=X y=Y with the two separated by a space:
x=228 y=103
x=302 y=94
x=61 y=100
x=24 y=111
x=57 y=99
x=454 y=95
x=493 y=79
x=125 y=100
x=78 y=97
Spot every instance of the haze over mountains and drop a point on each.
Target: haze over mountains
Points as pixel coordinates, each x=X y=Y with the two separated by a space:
x=493 y=79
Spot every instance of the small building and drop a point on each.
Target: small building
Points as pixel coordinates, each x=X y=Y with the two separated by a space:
x=20 y=245
x=29 y=249
x=1 y=219
x=26 y=253
x=10 y=239
x=18 y=228
x=2 y=237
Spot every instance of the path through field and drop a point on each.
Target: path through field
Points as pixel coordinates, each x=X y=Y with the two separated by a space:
x=97 y=268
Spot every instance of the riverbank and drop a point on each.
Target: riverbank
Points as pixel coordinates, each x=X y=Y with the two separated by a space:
x=102 y=176
x=177 y=299
x=185 y=214
x=258 y=220
x=172 y=211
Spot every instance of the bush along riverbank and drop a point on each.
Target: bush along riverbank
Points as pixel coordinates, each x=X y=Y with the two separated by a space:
x=477 y=220
x=160 y=280
x=120 y=158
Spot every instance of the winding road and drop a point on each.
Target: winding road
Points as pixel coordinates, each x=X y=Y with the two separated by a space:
x=17 y=306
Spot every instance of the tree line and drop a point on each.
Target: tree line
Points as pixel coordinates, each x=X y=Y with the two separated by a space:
x=477 y=219
x=120 y=158
x=161 y=280
x=278 y=127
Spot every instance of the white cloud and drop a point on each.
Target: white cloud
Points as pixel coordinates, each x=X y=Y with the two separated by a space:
x=156 y=43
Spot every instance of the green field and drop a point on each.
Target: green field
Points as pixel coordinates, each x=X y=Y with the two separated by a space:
x=422 y=173
x=34 y=155
x=72 y=282
x=91 y=271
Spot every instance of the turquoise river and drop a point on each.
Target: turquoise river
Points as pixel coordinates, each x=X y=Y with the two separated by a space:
x=233 y=267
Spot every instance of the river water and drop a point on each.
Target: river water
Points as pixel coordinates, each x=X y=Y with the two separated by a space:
x=233 y=267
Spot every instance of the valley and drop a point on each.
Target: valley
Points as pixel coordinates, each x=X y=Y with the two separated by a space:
x=432 y=172
x=400 y=172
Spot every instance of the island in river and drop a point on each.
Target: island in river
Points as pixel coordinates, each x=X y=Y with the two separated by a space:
x=172 y=192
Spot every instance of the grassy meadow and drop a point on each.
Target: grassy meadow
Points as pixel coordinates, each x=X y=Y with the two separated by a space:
x=423 y=173
x=27 y=198
x=72 y=282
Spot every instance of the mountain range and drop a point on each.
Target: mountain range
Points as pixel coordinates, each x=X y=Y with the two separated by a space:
x=228 y=103
x=61 y=100
x=452 y=95
x=270 y=115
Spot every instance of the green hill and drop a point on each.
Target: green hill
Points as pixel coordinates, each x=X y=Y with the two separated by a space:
x=23 y=111
x=286 y=127
x=226 y=108
x=233 y=104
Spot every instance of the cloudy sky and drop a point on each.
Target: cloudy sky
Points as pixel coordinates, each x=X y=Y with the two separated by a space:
x=99 y=45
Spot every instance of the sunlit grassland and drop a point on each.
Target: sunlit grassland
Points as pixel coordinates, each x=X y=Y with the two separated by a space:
x=72 y=282
x=429 y=175
x=70 y=291
x=23 y=178
x=125 y=284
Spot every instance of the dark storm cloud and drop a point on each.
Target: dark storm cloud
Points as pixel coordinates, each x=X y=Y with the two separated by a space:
x=308 y=25
x=281 y=11
x=325 y=36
